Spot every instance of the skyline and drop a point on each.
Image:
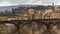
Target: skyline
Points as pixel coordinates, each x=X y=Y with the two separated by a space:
x=28 y=2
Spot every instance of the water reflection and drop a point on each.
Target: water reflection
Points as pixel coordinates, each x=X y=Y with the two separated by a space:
x=7 y=28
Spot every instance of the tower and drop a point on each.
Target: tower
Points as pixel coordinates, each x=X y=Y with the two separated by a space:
x=53 y=7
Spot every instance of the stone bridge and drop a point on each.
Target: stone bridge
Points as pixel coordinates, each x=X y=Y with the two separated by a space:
x=37 y=26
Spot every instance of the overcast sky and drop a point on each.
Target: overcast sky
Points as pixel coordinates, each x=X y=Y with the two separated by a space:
x=33 y=2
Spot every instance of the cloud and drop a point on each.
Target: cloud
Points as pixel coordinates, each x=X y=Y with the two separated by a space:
x=31 y=2
x=6 y=3
x=34 y=2
x=16 y=2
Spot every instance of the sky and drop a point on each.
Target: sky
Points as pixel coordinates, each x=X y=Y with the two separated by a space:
x=31 y=2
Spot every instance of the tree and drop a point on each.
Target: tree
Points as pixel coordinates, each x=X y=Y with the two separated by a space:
x=6 y=12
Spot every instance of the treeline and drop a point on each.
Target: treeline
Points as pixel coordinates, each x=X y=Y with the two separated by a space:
x=13 y=12
x=20 y=10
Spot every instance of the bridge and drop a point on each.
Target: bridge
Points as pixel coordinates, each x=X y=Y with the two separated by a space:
x=23 y=25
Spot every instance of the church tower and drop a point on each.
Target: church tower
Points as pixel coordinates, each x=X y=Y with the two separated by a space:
x=53 y=7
